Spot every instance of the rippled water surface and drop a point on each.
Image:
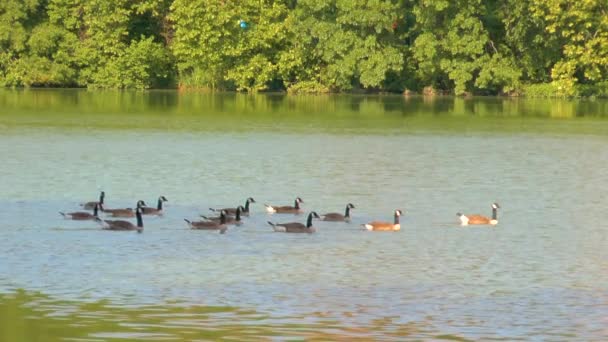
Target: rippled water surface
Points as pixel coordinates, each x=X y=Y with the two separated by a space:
x=541 y=274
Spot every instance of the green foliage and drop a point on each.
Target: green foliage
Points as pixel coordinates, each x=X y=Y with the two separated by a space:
x=344 y=44
x=540 y=90
x=457 y=46
x=144 y=64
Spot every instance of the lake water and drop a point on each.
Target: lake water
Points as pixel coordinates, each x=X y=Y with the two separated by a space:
x=540 y=274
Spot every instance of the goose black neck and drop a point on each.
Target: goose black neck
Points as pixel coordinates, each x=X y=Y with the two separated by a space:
x=296 y=204
x=396 y=219
x=222 y=218
x=140 y=221
x=159 y=205
x=95 y=210
x=494 y=214
x=101 y=197
x=246 y=206
x=347 y=211
x=309 y=221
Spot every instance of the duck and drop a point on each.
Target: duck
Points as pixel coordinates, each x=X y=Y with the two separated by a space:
x=286 y=209
x=127 y=212
x=236 y=220
x=232 y=211
x=124 y=225
x=159 y=207
x=209 y=225
x=82 y=215
x=385 y=226
x=296 y=227
x=466 y=220
x=337 y=217
x=91 y=205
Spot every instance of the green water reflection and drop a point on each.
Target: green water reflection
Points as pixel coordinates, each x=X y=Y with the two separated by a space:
x=170 y=110
x=27 y=316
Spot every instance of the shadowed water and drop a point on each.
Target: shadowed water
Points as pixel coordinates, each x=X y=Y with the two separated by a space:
x=541 y=274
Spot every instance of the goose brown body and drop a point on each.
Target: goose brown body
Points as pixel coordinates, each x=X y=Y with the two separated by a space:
x=209 y=225
x=155 y=211
x=126 y=212
x=286 y=209
x=232 y=211
x=125 y=225
x=337 y=217
x=477 y=219
x=82 y=215
x=236 y=220
x=91 y=205
x=296 y=227
x=385 y=226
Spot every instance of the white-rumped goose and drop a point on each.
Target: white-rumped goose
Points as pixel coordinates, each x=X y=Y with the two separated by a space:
x=159 y=207
x=466 y=220
x=91 y=205
x=236 y=220
x=232 y=211
x=285 y=209
x=124 y=225
x=82 y=215
x=385 y=226
x=337 y=217
x=296 y=227
x=209 y=225
x=126 y=212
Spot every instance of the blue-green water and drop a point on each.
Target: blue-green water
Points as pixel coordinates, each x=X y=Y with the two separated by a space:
x=541 y=274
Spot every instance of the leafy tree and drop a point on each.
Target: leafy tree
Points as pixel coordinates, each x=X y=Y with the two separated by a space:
x=582 y=27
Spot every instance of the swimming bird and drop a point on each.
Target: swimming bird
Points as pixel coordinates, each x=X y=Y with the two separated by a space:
x=232 y=211
x=91 y=205
x=155 y=211
x=210 y=225
x=385 y=226
x=466 y=220
x=82 y=215
x=286 y=209
x=296 y=227
x=236 y=220
x=336 y=217
x=127 y=212
x=124 y=225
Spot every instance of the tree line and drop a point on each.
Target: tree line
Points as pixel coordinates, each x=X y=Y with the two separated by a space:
x=513 y=47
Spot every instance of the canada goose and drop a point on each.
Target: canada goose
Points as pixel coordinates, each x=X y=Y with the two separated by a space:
x=124 y=225
x=127 y=212
x=232 y=211
x=82 y=215
x=385 y=226
x=286 y=209
x=236 y=220
x=91 y=205
x=210 y=225
x=339 y=217
x=296 y=227
x=466 y=220
x=159 y=207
